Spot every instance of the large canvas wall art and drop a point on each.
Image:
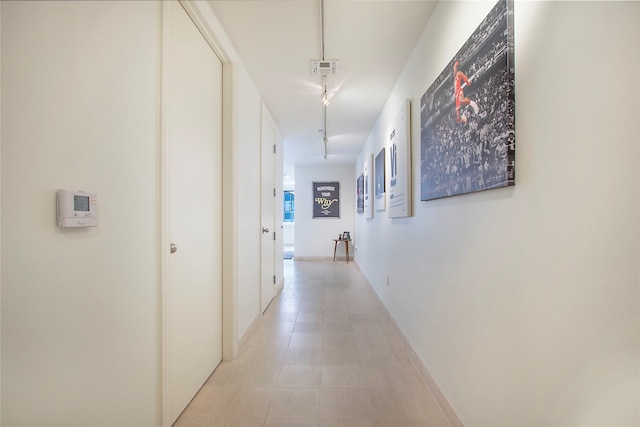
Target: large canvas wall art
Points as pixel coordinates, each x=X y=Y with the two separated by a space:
x=467 y=116
x=400 y=163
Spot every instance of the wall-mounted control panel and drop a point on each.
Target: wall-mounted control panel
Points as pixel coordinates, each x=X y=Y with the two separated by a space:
x=77 y=209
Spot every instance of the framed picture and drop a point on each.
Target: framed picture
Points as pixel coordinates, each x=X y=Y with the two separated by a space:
x=326 y=199
x=360 y=194
x=368 y=186
x=400 y=163
x=467 y=116
x=380 y=195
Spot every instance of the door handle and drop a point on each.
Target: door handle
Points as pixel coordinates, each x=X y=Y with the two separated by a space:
x=265 y=230
x=173 y=248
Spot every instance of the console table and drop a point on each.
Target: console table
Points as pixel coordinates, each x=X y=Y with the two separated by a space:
x=335 y=247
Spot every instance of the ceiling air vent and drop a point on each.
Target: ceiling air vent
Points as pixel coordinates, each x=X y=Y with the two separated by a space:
x=324 y=68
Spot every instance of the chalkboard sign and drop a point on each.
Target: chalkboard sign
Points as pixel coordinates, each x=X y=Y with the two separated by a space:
x=326 y=200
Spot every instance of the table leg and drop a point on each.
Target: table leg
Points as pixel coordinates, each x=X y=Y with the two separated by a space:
x=347 y=243
x=335 y=246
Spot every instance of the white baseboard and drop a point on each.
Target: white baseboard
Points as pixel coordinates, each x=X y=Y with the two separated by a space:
x=446 y=407
x=321 y=258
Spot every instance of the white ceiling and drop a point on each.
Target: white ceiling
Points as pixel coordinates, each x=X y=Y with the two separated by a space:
x=277 y=39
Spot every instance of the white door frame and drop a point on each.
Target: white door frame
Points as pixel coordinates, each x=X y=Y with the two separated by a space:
x=210 y=28
x=267 y=208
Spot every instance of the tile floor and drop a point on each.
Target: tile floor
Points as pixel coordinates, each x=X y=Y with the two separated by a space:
x=323 y=355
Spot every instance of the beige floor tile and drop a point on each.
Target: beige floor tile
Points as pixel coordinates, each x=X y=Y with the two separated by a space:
x=306 y=340
x=338 y=306
x=295 y=403
x=299 y=376
x=303 y=356
x=335 y=326
x=346 y=423
x=325 y=354
x=336 y=316
x=256 y=375
x=338 y=339
x=265 y=355
x=239 y=402
x=206 y=402
x=347 y=403
x=264 y=339
x=372 y=340
x=362 y=317
x=223 y=373
x=430 y=407
x=291 y=423
x=235 y=422
x=189 y=420
x=284 y=307
x=312 y=308
x=310 y=317
x=314 y=299
x=402 y=354
x=340 y=356
x=342 y=376
x=395 y=404
x=275 y=327
x=406 y=423
x=307 y=327
x=277 y=316
x=385 y=376
x=375 y=356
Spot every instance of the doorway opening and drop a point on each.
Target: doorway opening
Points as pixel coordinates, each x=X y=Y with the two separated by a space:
x=288 y=222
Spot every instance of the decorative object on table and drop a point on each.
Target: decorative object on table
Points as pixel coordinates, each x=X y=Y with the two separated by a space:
x=326 y=199
x=467 y=116
x=346 y=235
x=380 y=200
x=400 y=163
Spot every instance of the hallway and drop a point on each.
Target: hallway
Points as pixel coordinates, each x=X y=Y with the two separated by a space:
x=324 y=355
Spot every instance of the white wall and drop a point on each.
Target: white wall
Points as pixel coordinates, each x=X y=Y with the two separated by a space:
x=80 y=308
x=279 y=210
x=522 y=302
x=0 y=214
x=81 y=315
x=288 y=234
x=313 y=236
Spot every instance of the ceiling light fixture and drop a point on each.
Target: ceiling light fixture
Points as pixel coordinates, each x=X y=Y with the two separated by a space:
x=325 y=101
x=323 y=68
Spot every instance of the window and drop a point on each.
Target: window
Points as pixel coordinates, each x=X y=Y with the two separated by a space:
x=289 y=206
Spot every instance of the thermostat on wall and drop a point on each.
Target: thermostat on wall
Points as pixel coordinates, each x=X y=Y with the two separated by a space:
x=77 y=209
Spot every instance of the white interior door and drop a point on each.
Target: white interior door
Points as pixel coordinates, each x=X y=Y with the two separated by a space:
x=267 y=205
x=193 y=290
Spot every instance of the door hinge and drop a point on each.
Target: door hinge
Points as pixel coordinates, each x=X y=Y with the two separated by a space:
x=274 y=191
x=274 y=148
x=274 y=235
x=274 y=279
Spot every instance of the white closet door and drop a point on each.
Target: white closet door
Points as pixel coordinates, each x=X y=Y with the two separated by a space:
x=192 y=312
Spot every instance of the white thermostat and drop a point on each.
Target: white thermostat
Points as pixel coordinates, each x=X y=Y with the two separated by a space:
x=77 y=209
